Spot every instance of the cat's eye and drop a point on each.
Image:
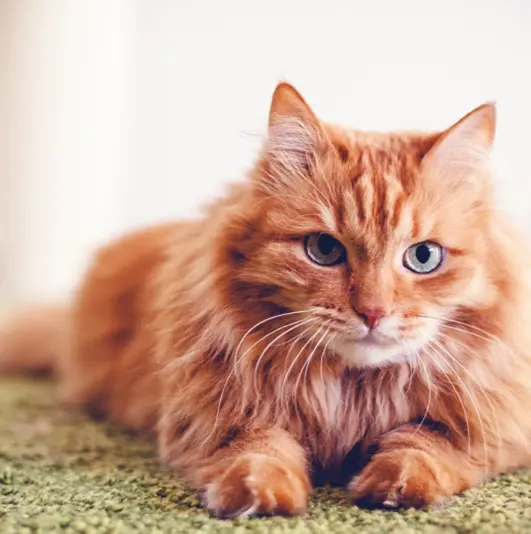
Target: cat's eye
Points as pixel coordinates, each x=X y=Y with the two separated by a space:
x=424 y=258
x=324 y=249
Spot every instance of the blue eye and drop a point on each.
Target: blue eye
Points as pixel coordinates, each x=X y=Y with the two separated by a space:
x=324 y=249
x=424 y=257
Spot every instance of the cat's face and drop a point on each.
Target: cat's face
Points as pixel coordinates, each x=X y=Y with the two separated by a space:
x=378 y=237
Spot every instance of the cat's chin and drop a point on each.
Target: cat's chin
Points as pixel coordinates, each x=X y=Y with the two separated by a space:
x=370 y=353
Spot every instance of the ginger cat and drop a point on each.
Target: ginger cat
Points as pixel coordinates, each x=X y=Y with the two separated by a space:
x=356 y=306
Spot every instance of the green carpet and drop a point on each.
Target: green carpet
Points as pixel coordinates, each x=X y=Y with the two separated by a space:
x=62 y=472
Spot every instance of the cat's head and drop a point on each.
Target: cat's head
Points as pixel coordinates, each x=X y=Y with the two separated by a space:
x=369 y=240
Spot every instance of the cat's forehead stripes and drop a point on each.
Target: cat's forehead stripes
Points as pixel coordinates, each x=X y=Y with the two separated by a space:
x=328 y=218
x=377 y=191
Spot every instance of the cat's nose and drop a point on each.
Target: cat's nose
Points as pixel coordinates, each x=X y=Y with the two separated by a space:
x=371 y=315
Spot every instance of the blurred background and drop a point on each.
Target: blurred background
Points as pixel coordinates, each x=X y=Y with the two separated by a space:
x=120 y=113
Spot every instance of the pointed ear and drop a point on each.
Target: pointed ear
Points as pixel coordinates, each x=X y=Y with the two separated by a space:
x=295 y=134
x=462 y=152
x=287 y=103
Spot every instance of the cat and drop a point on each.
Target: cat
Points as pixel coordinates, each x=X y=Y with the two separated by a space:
x=356 y=307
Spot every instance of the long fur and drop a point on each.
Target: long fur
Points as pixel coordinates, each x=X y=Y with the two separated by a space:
x=225 y=341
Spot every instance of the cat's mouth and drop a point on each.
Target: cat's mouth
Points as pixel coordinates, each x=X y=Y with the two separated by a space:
x=390 y=342
x=371 y=349
x=372 y=337
x=375 y=337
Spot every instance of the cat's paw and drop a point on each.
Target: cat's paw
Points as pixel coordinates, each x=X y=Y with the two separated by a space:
x=399 y=479
x=258 y=484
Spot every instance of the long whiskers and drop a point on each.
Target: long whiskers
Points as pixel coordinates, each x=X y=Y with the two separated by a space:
x=293 y=326
x=288 y=328
x=305 y=367
x=480 y=388
x=465 y=328
x=240 y=358
x=293 y=363
x=456 y=392
x=333 y=337
x=470 y=396
x=468 y=326
x=449 y=325
x=264 y=321
x=412 y=363
x=428 y=381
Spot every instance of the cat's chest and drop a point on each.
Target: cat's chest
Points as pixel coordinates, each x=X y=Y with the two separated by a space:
x=343 y=411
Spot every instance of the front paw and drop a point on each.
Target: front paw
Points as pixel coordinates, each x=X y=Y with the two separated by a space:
x=258 y=484
x=403 y=478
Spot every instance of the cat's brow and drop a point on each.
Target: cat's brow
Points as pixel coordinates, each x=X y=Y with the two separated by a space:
x=329 y=218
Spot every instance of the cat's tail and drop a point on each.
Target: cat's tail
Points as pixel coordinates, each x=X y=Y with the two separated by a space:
x=33 y=341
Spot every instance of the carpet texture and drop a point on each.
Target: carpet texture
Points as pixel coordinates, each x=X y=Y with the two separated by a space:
x=61 y=472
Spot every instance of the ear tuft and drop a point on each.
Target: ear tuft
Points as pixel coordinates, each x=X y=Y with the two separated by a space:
x=294 y=137
x=480 y=123
x=462 y=152
x=287 y=102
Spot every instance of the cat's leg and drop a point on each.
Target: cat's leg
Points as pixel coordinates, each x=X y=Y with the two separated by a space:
x=415 y=467
x=261 y=472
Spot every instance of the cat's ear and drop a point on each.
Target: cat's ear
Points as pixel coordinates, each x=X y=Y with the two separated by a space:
x=295 y=134
x=461 y=154
x=288 y=104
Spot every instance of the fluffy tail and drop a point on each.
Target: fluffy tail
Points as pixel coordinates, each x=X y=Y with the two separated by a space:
x=32 y=341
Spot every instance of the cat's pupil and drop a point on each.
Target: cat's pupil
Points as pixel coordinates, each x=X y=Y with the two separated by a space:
x=422 y=253
x=327 y=244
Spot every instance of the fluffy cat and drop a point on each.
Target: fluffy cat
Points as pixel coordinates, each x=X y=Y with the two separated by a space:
x=356 y=306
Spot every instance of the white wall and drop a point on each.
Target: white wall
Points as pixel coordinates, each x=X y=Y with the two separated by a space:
x=164 y=99
x=67 y=100
x=207 y=69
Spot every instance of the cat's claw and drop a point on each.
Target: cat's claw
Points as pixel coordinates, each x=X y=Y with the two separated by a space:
x=257 y=484
x=398 y=479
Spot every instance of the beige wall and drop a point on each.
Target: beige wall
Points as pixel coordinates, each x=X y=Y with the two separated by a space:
x=65 y=71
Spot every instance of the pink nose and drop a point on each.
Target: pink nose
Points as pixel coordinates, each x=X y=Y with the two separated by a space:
x=371 y=316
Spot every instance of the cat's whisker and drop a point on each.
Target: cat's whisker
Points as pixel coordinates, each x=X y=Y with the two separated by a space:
x=470 y=396
x=270 y=344
x=289 y=327
x=468 y=326
x=242 y=356
x=304 y=368
x=465 y=370
x=411 y=374
x=467 y=348
x=473 y=330
x=264 y=321
x=293 y=342
x=323 y=354
x=297 y=381
x=428 y=381
x=478 y=385
x=476 y=335
x=457 y=394
x=412 y=363
x=293 y=363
